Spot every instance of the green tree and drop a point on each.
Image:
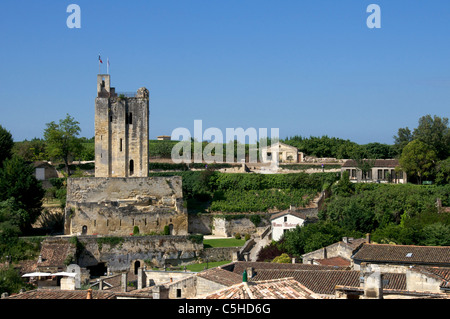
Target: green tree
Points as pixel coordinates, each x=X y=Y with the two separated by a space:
x=17 y=181
x=403 y=137
x=418 y=159
x=282 y=259
x=443 y=172
x=6 y=144
x=10 y=281
x=33 y=150
x=436 y=234
x=62 y=140
x=344 y=187
x=435 y=132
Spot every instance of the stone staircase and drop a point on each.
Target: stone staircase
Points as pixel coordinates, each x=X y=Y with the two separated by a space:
x=260 y=242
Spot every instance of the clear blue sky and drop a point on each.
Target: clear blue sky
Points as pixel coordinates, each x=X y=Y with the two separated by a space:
x=305 y=67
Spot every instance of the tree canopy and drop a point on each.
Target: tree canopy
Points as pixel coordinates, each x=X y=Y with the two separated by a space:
x=62 y=140
x=6 y=144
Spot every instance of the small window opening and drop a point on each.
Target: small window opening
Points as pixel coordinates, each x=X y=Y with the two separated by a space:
x=131 y=167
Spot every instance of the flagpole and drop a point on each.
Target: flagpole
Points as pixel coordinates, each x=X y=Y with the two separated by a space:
x=107 y=65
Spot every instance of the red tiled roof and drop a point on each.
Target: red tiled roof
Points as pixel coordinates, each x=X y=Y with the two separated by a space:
x=408 y=254
x=239 y=266
x=334 y=261
x=61 y=294
x=325 y=281
x=377 y=163
x=221 y=276
x=54 y=253
x=282 y=288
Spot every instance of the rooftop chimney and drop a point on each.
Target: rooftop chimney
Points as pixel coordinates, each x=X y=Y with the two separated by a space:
x=373 y=285
x=156 y=292
x=368 y=238
x=89 y=294
x=250 y=271
x=40 y=259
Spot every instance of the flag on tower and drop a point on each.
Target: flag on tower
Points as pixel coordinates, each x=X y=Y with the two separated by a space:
x=100 y=59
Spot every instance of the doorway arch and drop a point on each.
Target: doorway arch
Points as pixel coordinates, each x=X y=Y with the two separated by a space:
x=137 y=265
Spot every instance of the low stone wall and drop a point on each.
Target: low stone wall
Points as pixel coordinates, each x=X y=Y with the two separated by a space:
x=217 y=225
x=219 y=253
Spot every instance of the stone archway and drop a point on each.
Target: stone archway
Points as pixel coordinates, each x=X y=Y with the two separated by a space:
x=84 y=230
x=137 y=265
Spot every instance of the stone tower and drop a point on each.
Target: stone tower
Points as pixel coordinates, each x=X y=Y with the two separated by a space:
x=121 y=131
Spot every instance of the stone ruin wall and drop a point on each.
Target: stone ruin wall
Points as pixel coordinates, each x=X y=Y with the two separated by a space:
x=153 y=251
x=114 y=206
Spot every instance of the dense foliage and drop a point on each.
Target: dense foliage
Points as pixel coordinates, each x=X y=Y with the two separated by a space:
x=403 y=214
x=250 y=192
x=17 y=182
x=325 y=146
x=6 y=144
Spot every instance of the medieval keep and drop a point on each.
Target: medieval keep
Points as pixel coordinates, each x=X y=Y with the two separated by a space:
x=122 y=197
x=121 y=132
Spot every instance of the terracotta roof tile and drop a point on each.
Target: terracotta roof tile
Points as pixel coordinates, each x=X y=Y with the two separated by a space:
x=334 y=261
x=54 y=253
x=61 y=294
x=392 y=163
x=239 y=266
x=408 y=254
x=282 y=288
x=221 y=276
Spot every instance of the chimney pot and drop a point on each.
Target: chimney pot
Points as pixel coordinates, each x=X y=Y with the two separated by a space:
x=368 y=238
x=89 y=294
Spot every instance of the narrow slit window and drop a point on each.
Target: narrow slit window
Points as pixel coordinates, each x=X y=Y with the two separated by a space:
x=121 y=145
x=130 y=118
x=131 y=167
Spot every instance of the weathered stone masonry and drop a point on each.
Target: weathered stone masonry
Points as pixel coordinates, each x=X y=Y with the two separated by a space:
x=114 y=206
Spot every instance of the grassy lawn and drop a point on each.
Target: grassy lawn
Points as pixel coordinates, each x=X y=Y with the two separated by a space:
x=225 y=242
x=200 y=267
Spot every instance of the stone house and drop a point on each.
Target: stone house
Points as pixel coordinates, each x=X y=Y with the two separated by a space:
x=382 y=171
x=385 y=257
x=281 y=153
x=164 y=138
x=339 y=253
x=44 y=171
